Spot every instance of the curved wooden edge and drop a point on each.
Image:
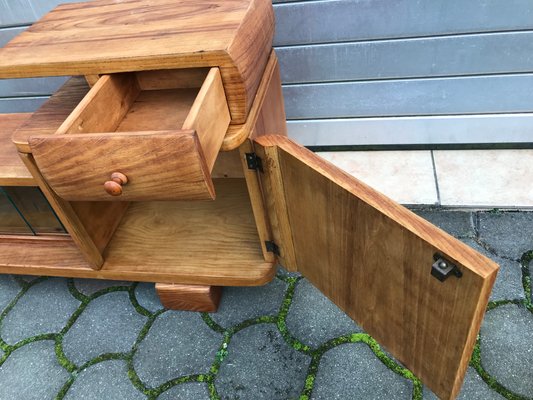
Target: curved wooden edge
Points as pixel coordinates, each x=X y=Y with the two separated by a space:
x=233 y=35
x=250 y=49
x=237 y=134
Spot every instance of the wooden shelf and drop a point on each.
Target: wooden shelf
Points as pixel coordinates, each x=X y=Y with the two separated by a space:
x=189 y=242
x=12 y=170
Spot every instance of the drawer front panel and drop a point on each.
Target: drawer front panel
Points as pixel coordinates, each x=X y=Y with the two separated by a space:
x=166 y=165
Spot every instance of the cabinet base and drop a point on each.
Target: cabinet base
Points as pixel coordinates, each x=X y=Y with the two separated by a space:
x=189 y=297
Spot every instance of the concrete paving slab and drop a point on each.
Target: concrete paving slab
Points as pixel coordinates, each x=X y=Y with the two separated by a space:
x=261 y=366
x=109 y=324
x=45 y=308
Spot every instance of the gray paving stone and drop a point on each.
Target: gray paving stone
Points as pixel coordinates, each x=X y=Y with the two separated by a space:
x=241 y=303
x=44 y=308
x=352 y=371
x=507 y=347
x=8 y=290
x=456 y=223
x=508 y=283
x=509 y=234
x=186 y=391
x=32 y=372
x=105 y=380
x=91 y=286
x=147 y=296
x=260 y=365
x=474 y=388
x=178 y=343
x=28 y=278
x=109 y=324
x=314 y=319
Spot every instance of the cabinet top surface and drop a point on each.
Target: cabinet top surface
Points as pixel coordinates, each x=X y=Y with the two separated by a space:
x=107 y=36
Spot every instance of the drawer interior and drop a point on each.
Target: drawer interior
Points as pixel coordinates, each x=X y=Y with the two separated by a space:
x=155 y=101
x=135 y=102
x=162 y=130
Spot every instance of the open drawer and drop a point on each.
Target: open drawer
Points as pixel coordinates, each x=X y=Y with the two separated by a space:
x=151 y=135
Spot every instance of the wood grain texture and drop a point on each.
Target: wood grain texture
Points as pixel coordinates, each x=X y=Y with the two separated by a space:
x=30 y=203
x=189 y=297
x=237 y=134
x=67 y=216
x=92 y=79
x=209 y=116
x=188 y=78
x=194 y=243
x=181 y=237
x=12 y=169
x=107 y=36
x=272 y=186
x=104 y=107
x=257 y=201
x=372 y=257
x=35 y=254
x=164 y=109
x=100 y=219
x=11 y=223
x=228 y=165
x=271 y=119
x=47 y=119
x=159 y=165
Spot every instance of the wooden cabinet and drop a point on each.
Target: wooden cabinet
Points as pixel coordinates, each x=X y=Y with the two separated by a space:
x=168 y=162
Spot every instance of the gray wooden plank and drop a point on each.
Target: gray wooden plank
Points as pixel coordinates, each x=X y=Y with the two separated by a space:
x=30 y=87
x=432 y=96
x=350 y=20
x=18 y=12
x=408 y=58
x=497 y=128
x=21 y=104
x=6 y=34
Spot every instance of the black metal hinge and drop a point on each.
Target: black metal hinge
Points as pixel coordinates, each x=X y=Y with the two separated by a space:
x=254 y=162
x=272 y=247
x=443 y=268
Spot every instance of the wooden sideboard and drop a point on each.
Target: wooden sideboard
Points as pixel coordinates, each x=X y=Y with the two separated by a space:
x=165 y=159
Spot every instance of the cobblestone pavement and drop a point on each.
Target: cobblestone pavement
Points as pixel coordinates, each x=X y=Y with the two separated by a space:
x=83 y=339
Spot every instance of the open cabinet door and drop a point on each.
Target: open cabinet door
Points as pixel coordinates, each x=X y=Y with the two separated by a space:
x=378 y=262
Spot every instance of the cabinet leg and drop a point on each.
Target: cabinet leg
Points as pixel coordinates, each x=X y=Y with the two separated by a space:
x=189 y=297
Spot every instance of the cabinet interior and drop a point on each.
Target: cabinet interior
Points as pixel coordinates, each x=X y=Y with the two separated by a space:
x=25 y=211
x=188 y=234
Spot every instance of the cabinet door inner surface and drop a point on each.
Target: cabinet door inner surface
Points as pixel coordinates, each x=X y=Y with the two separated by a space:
x=373 y=258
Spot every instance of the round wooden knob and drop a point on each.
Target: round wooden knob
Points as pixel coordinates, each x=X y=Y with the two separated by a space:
x=114 y=186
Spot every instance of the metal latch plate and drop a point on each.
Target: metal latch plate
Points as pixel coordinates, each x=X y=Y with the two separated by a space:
x=443 y=268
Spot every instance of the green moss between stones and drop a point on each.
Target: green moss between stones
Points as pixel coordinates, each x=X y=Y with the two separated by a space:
x=75 y=292
x=525 y=261
x=135 y=303
x=475 y=362
x=210 y=377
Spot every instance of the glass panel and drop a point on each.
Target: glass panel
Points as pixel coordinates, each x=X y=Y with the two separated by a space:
x=10 y=220
x=32 y=204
